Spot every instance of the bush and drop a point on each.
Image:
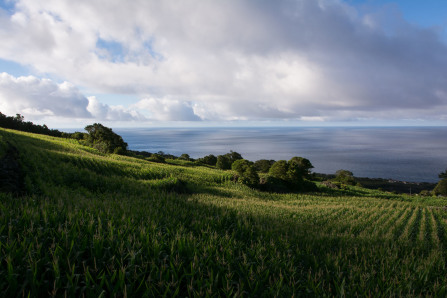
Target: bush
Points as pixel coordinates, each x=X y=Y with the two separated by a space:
x=293 y=174
x=425 y=193
x=185 y=156
x=279 y=170
x=299 y=168
x=208 y=160
x=246 y=172
x=263 y=165
x=104 y=139
x=441 y=188
x=223 y=162
x=156 y=158
x=345 y=177
x=273 y=184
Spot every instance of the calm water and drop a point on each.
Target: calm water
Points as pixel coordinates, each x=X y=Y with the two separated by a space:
x=402 y=153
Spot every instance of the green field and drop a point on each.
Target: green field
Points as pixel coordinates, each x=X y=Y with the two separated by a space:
x=93 y=224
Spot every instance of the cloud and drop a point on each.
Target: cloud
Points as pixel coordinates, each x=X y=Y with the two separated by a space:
x=167 y=109
x=112 y=113
x=242 y=60
x=42 y=98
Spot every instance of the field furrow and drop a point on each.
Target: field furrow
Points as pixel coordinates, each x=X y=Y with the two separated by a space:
x=402 y=225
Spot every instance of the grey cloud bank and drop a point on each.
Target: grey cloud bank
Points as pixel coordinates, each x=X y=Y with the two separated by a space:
x=226 y=60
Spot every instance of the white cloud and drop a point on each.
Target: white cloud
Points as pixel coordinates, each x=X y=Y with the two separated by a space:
x=166 y=109
x=232 y=60
x=42 y=98
x=111 y=113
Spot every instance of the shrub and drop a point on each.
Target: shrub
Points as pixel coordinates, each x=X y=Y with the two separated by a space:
x=345 y=177
x=184 y=156
x=279 y=170
x=263 y=165
x=208 y=160
x=157 y=158
x=104 y=139
x=223 y=162
x=299 y=168
x=246 y=171
x=441 y=188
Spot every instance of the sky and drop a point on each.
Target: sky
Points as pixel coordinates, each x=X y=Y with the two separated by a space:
x=142 y=63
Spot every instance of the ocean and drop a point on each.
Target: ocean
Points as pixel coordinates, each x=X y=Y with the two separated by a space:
x=414 y=154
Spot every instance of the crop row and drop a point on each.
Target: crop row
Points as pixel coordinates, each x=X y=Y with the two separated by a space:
x=102 y=225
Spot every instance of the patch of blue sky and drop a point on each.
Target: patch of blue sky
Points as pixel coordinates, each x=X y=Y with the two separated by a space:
x=13 y=68
x=423 y=13
x=110 y=50
x=8 y=6
x=426 y=13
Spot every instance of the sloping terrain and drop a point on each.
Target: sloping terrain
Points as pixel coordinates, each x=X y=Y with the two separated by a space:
x=93 y=224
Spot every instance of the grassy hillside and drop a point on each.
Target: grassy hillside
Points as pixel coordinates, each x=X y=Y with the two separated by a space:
x=94 y=224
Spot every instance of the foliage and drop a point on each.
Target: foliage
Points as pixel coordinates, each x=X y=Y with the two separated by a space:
x=292 y=173
x=233 y=156
x=246 y=172
x=185 y=156
x=345 y=176
x=104 y=139
x=443 y=175
x=208 y=160
x=110 y=225
x=17 y=122
x=299 y=168
x=279 y=170
x=425 y=193
x=263 y=165
x=441 y=188
x=223 y=162
x=157 y=158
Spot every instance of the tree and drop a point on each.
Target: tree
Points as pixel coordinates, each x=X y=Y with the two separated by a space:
x=441 y=188
x=208 y=160
x=233 y=156
x=279 y=170
x=19 y=118
x=299 y=168
x=263 y=165
x=246 y=172
x=443 y=175
x=185 y=156
x=302 y=164
x=292 y=174
x=345 y=176
x=104 y=139
x=223 y=162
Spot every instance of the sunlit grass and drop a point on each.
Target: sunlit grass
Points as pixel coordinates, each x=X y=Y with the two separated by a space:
x=95 y=224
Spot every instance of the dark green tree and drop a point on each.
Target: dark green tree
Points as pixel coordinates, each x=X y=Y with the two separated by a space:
x=443 y=175
x=279 y=170
x=263 y=165
x=223 y=162
x=246 y=172
x=299 y=167
x=208 y=160
x=441 y=188
x=185 y=156
x=233 y=156
x=19 y=118
x=104 y=139
x=345 y=176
